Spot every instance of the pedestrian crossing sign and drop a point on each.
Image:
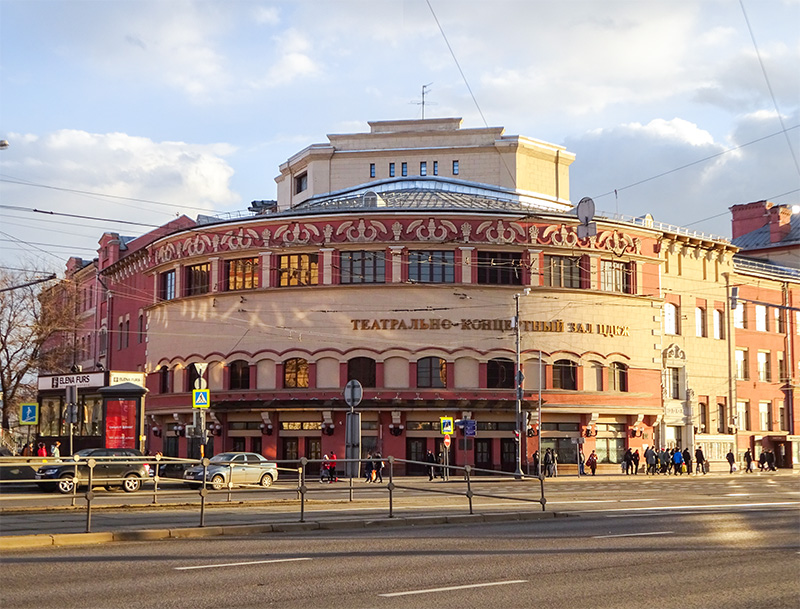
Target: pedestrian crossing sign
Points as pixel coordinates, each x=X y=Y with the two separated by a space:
x=29 y=414
x=446 y=425
x=200 y=398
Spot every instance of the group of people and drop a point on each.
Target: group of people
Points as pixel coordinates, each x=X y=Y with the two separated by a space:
x=548 y=465
x=373 y=468
x=41 y=450
x=327 y=473
x=766 y=461
x=672 y=461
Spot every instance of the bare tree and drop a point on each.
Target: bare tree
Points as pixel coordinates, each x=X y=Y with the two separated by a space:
x=37 y=325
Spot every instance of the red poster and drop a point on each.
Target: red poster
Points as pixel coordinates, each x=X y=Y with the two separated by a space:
x=121 y=424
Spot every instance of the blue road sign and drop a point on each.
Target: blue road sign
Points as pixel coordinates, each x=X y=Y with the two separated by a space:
x=470 y=428
x=201 y=398
x=29 y=414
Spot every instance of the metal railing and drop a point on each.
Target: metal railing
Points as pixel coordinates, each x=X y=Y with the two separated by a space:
x=85 y=474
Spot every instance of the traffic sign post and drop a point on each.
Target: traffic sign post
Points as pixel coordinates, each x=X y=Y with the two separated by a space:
x=201 y=400
x=29 y=414
x=353 y=394
x=447 y=426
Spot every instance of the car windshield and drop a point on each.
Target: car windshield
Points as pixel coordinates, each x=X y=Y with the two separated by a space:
x=85 y=452
x=223 y=457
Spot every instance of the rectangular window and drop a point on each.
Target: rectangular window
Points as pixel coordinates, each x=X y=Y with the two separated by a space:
x=764 y=374
x=499 y=268
x=782 y=424
x=700 y=321
x=764 y=423
x=777 y=318
x=423 y=168
x=671 y=319
x=455 y=168
x=166 y=288
x=198 y=279
x=126 y=340
x=140 y=329
x=298 y=269
x=241 y=274
x=615 y=276
x=782 y=376
x=300 y=183
x=740 y=317
x=674 y=383
x=427 y=266
x=562 y=271
x=404 y=169
x=741 y=365
x=742 y=415
x=119 y=337
x=436 y=168
x=372 y=170
x=761 y=318
x=362 y=267
x=391 y=170
x=719 y=328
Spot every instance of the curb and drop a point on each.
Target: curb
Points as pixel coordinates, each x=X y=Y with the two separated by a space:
x=22 y=542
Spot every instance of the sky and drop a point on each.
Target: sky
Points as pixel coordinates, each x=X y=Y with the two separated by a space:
x=138 y=111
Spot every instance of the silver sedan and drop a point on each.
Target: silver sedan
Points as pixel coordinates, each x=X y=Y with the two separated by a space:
x=236 y=469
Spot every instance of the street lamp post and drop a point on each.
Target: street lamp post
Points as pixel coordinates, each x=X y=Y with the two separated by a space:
x=518 y=385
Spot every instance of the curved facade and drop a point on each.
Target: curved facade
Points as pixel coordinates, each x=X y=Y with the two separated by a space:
x=396 y=258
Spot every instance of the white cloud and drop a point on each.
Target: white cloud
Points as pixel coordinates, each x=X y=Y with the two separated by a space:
x=267 y=15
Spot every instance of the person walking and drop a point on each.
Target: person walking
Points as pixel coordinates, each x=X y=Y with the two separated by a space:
x=627 y=461
x=324 y=469
x=636 y=459
x=367 y=465
x=548 y=463
x=650 y=460
x=42 y=450
x=431 y=461
x=332 y=477
x=731 y=461
x=592 y=462
x=555 y=464
x=677 y=462
x=748 y=461
x=581 y=463
x=687 y=460
x=28 y=450
x=377 y=465
x=55 y=450
x=700 y=458
x=536 y=464
x=762 y=461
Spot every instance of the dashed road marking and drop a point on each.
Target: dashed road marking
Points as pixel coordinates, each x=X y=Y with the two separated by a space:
x=240 y=564
x=451 y=588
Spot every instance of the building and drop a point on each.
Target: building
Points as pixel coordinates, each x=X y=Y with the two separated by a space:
x=396 y=257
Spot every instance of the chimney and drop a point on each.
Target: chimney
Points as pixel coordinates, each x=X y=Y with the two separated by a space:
x=748 y=217
x=780 y=223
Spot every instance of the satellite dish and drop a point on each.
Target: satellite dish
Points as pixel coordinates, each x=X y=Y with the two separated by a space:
x=585 y=210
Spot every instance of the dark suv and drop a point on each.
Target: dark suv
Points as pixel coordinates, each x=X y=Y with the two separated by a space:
x=114 y=466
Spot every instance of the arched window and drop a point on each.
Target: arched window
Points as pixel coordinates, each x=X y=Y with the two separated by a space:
x=295 y=373
x=670 y=318
x=619 y=377
x=239 y=374
x=432 y=372
x=361 y=369
x=163 y=379
x=500 y=373
x=565 y=375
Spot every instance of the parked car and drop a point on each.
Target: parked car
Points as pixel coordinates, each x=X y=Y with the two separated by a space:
x=238 y=468
x=114 y=466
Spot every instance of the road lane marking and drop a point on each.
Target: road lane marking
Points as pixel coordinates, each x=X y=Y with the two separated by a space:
x=683 y=508
x=634 y=534
x=239 y=564
x=451 y=588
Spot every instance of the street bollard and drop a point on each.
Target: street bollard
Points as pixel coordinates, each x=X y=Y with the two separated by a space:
x=390 y=486
x=89 y=495
x=203 y=493
x=467 y=470
x=302 y=489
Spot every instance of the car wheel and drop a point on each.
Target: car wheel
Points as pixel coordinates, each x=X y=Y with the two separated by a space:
x=266 y=480
x=131 y=483
x=217 y=482
x=66 y=484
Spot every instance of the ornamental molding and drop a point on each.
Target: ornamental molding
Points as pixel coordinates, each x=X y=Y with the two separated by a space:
x=500 y=233
x=432 y=230
x=361 y=232
x=674 y=352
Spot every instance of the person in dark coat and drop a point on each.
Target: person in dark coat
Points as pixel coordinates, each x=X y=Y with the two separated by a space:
x=636 y=461
x=748 y=461
x=701 y=460
x=687 y=459
x=677 y=462
x=627 y=459
x=536 y=464
x=592 y=462
x=431 y=460
x=731 y=461
x=548 y=463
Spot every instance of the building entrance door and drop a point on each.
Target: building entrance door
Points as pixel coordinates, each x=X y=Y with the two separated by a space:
x=313 y=451
x=483 y=453
x=415 y=451
x=508 y=454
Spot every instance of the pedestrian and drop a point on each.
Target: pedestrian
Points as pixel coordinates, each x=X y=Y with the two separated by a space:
x=731 y=461
x=762 y=461
x=677 y=462
x=592 y=462
x=650 y=459
x=627 y=462
x=431 y=461
x=748 y=461
x=324 y=469
x=701 y=461
x=42 y=450
x=687 y=460
x=771 y=461
x=28 y=451
x=636 y=461
x=581 y=463
x=548 y=463
x=367 y=465
x=666 y=460
x=555 y=464
x=536 y=464
x=332 y=477
x=55 y=450
x=377 y=465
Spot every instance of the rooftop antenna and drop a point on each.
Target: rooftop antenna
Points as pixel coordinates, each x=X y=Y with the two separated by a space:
x=425 y=89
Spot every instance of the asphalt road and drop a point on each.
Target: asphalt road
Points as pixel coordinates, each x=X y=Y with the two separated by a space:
x=611 y=495
x=744 y=557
